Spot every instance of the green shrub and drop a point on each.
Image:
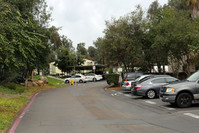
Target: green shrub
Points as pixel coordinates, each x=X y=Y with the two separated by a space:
x=111 y=70
x=113 y=78
x=12 y=86
x=20 y=90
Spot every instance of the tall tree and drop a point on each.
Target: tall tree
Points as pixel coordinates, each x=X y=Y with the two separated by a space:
x=123 y=40
x=25 y=47
x=100 y=50
x=81 y=49
x=92 y=51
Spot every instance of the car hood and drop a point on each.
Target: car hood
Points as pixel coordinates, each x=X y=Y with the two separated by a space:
x=180 y=84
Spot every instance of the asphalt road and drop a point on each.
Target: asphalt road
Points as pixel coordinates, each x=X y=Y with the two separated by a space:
x=88 y=108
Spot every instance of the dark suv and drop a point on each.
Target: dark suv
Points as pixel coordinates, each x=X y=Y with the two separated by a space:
x=183 y=93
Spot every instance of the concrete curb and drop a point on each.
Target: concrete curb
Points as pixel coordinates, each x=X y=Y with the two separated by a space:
x=17 y=121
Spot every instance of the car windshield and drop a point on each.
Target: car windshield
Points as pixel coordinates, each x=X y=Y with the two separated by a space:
x=194 y=77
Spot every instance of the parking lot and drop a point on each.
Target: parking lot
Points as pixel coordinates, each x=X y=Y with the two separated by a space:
x=90 y=108
x=155 y=105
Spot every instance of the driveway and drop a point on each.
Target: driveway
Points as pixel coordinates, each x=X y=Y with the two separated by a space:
x=88 y=108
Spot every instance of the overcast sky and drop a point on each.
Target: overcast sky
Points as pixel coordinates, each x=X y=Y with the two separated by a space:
x=84 y=20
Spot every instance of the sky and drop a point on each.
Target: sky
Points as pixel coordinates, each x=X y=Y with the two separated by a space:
x=83 y=21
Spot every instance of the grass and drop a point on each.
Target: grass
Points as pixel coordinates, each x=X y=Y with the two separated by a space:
x=11 y=102
x=6 y=90
x=9 y=107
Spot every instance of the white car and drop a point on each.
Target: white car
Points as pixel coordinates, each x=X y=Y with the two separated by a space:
x=76 y=78
x=93 y=77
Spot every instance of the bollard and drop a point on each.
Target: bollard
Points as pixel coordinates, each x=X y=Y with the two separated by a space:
x=71 y=82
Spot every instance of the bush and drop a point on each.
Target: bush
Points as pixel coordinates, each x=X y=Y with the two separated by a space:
x=12 y=86
x=113 y=78
x=111 y=70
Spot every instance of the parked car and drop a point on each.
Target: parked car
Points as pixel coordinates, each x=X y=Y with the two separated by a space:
x=64 y=76
x=130 y=76
x=183 y=93
x=127 y=84
x=77 y=78
x=103 y=73
x=93 y=77
x=151 y=87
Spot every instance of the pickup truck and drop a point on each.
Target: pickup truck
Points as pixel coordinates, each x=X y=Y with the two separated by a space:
x=182 y=94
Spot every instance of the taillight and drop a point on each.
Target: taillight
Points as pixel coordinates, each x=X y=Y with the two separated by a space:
x=127 y=83
x=138 y=87
x=125 y=79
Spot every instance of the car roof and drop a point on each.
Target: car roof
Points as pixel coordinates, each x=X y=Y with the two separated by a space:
x=158 y=77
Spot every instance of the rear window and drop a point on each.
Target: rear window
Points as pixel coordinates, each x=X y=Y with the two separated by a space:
x=170 y=80
x=161 y=80
x=131 y=75
x=144 y=79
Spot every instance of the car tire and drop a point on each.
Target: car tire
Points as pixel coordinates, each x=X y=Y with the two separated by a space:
x=81 y=81
x=66 y=82
x=184 y=100
x=151 y=94
x=94 y=79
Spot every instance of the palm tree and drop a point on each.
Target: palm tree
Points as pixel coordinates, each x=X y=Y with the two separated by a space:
x=194 y=6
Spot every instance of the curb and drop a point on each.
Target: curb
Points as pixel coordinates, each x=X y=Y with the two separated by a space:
x=17 y=121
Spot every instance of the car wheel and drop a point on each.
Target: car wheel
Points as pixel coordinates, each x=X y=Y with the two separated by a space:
x=150 y=94
x=94 y=79
x=81 y=81
x=184 y=100
x=67 y=82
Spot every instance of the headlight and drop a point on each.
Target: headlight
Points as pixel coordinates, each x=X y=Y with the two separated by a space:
x=170 y=90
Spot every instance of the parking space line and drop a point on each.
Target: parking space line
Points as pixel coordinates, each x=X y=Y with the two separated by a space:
x=192 y=115
x=150 y=102
x=168 y=108
x=120 y=93
x=127 y=95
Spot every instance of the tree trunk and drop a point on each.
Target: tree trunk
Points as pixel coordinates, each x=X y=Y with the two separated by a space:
x=195 y=9
x=32 y=74
x=26 y=77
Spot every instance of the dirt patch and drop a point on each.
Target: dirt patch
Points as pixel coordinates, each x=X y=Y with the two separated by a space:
x=114 y=87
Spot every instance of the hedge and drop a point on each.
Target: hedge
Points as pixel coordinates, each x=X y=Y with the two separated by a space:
x=113 y=78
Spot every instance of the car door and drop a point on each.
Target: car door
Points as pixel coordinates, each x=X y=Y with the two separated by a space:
x=77 y=78
x=73 y=77
x=196 y=90
x=89 y=76
x=158 y=83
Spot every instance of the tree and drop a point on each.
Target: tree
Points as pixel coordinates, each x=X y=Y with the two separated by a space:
x=92 y=51
x=154 y=10
x=194 y=6
x=178 y=4
x=175 y=35
x=67 y=42
x=81 y=49
x=100 y=50
x=123 y=40
x=67 y=59
x=25 y=48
